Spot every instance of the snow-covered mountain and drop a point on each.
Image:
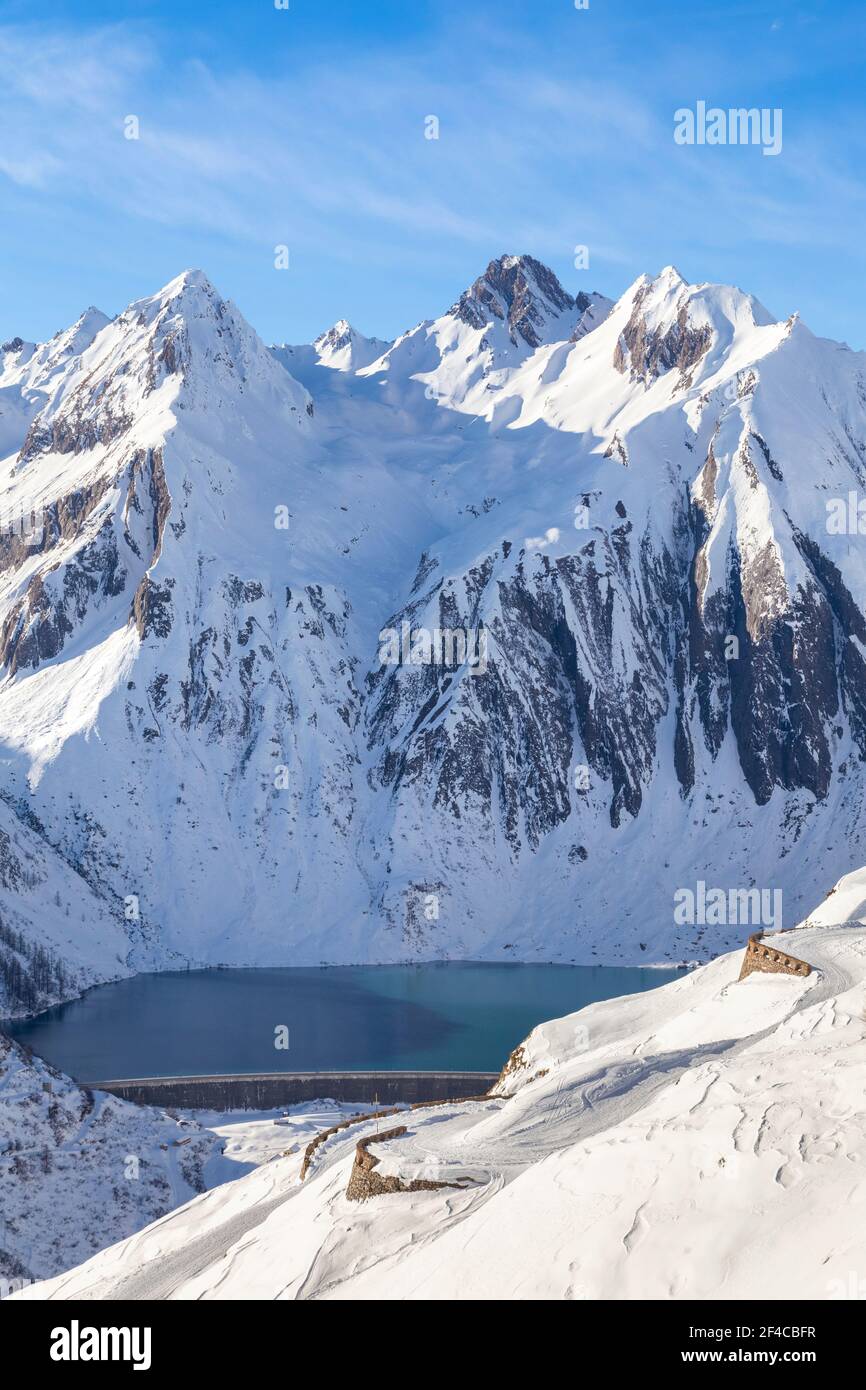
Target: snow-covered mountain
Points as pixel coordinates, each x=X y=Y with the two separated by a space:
x=342 y=348
x=228 y=731
x=703 y=1140
x=514 y=308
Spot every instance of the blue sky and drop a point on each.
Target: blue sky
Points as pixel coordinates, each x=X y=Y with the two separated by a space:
x=305 y=127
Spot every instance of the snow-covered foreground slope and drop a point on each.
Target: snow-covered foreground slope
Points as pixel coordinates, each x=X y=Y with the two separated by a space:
x=705 y=1140
x=228 y=731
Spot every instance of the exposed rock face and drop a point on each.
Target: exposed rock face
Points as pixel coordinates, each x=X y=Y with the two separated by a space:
x=647 y=351
x=522 y=293
x=779 y=689
x=515 y=753
x=55 y=601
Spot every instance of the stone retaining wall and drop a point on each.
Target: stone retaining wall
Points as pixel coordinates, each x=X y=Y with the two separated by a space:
x=769 y=960
x=365 y=1182
x=325 y=1134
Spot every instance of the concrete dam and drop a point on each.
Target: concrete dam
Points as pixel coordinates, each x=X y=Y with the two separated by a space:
x=269 y=1090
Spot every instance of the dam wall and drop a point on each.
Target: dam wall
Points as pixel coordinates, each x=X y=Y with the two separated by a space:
x=270 y=1090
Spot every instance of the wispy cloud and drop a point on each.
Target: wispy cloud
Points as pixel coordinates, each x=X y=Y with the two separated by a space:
x=535 y=152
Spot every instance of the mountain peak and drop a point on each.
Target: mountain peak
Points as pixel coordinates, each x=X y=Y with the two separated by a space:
x=31 y=372
x=520 y=291
x=668 y=322
x=190 y=292
x=181 y=349
x=80 y=335
x=187 y=279
x=669 y=275
x=340 y=334
x=669 y=290
x=345 y=349
x=517 y=306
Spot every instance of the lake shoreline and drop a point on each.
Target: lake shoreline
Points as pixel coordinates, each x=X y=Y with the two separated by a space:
x=441 y=1016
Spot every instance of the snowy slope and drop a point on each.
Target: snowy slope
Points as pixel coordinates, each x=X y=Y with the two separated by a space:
x=705 y=1140
x=156 y=614
x=106 y=1166
x=201 y=743
x=57 y=934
